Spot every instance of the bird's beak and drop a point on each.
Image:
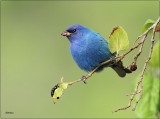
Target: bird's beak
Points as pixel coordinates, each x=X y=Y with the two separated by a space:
x=65 y=33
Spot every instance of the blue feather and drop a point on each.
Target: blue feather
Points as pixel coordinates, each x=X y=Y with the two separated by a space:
x=88 y=48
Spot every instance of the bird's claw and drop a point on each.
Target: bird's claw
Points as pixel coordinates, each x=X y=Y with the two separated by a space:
x=120 y=64
x=83 y=78
x=127 y=70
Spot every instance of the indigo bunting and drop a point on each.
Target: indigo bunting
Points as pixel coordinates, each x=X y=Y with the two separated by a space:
x=89 y=49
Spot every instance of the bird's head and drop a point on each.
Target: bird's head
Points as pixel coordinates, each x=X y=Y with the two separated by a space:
x=75 y=31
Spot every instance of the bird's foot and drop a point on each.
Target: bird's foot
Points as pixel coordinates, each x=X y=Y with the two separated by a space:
x=83 y=78
x=119 y=63
x=113 y=61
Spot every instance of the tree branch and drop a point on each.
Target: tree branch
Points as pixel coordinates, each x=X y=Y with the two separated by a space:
x=139 y=87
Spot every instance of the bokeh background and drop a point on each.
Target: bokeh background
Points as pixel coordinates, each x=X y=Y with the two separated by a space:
x=34 y=56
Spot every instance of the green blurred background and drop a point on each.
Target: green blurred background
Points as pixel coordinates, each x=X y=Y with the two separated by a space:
x=34 y=56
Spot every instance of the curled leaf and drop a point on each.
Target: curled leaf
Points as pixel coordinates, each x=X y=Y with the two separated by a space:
x=158 y=29
x=57 y=90
x=64 y=85
x=118 y=40
x=58 y=93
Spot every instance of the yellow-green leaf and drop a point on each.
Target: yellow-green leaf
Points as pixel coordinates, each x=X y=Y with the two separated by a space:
x=118 y=40
x=64 y=85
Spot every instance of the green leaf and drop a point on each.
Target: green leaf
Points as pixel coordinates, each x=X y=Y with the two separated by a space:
x=147 y=24
x=118 y=40
x=154 y=61
x=148 y=105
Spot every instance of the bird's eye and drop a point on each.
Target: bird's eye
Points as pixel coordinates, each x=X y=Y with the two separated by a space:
x=72 y=31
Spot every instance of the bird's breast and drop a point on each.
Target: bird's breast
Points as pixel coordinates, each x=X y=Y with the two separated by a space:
x=89 y=55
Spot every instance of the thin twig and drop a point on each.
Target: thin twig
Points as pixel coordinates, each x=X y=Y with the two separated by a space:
x=139 y=83
x=145 y=66
x=90 y=73
x=133 y=93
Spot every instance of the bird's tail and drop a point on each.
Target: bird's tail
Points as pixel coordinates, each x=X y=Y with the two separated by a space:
x=120 y=69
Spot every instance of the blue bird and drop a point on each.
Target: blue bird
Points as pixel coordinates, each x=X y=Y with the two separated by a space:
x=89 y=49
